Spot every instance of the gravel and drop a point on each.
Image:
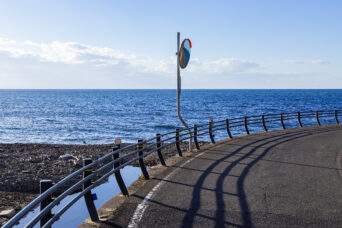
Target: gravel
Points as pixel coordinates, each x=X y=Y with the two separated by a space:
x=22 y=166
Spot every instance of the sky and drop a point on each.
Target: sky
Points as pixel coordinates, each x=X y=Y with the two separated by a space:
x=236 y=44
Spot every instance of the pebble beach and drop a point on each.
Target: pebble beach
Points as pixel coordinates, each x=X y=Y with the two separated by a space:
x=22 y=166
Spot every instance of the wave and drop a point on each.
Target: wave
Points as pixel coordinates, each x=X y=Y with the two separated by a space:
x=172 y=127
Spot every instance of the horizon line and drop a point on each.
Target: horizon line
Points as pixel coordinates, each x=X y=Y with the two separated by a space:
x=169 y=89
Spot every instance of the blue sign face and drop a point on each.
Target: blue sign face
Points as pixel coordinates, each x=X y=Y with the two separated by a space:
x=184 y=53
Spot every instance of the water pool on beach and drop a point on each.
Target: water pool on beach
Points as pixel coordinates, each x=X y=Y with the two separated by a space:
x=99 y=116
x=77 y=213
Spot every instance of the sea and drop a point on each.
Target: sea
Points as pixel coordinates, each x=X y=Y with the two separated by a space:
x=101 y=116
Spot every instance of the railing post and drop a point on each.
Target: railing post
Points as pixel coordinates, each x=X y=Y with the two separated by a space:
x=88 y=197
x=264 y=123
x=299 y=120
x=141 y=160
x=160 y=155
x=117 y=174
x=228 y=130
x=45 y=185
x=195 y=137
x=211 y=131
x=246 y=125
x=177 y=143
x=282 y=120
x=336 y=117
x=317 y=117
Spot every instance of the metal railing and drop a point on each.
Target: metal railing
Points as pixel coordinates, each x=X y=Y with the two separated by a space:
x=96 y=172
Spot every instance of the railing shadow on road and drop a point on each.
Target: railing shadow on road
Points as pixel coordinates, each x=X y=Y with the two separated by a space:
x=245 y=212
x=263 y=146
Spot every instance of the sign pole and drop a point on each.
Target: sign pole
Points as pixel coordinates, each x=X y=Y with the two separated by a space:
x=179 y=93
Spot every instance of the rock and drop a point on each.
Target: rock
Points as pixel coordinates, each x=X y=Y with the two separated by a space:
x=7 y=213
x=68 y=157
x=54 y=157
x=34 y=160
x=45 y=158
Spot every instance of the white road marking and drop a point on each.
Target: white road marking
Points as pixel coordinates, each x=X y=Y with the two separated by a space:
x=139 y=211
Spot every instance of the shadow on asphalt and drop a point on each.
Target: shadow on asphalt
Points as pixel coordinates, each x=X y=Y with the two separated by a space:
x=263 y=146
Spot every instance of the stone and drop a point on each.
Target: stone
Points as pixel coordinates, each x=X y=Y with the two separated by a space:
x=68 y=156
x=7 y=213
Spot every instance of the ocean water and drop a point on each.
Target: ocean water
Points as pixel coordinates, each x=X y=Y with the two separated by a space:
x=100 y=116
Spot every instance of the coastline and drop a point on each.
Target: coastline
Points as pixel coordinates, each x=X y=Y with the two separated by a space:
x=23 y=165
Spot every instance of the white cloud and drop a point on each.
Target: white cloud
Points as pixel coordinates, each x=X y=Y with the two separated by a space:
x=76 y=53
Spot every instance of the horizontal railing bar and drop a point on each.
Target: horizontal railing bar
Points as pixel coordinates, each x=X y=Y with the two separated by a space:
x=204 y=129
x=272 y=121
x=222 y=128
x=290 y=118
x=308 y=116
x=254 y=122
x=214 y=126
x=231 y=126
x=204 y=133
x=233 y=122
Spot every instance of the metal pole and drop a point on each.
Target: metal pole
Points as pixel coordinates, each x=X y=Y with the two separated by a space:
x=195 y=137
x=45 y=185
x=246 y=125
x=160 y=155
x=179 y=93
x=317 y=117
x=178 y=143
x=264 y=123
x=282 y=120
x=210 y=125
x=88 y=197
x=141 y=160
x=117 y=174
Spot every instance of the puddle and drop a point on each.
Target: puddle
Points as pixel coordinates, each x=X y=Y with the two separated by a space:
x=77 y=213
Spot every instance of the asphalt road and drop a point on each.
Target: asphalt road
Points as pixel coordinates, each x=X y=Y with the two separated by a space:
x=289 y=178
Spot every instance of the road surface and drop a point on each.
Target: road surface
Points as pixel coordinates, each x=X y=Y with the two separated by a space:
x=276 y=179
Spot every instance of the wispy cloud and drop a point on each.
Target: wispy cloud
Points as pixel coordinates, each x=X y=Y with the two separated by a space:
x=314 y=61
x=77 y=53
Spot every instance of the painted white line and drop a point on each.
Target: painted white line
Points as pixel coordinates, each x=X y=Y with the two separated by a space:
x=139 y=211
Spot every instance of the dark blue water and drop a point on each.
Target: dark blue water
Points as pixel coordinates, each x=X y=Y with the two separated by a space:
x=100 y=116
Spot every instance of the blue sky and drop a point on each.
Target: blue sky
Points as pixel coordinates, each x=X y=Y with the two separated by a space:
x=132 y=44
